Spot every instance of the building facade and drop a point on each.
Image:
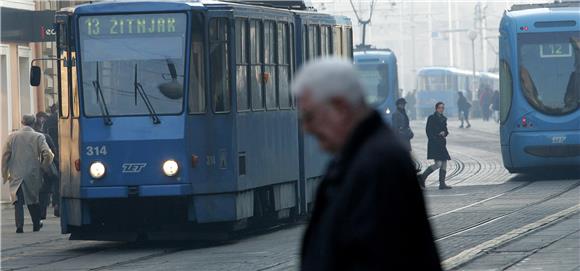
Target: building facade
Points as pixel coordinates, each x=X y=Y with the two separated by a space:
x=26 y=33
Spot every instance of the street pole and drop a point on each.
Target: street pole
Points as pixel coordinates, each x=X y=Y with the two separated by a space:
x=472 y=36
x=450 y=26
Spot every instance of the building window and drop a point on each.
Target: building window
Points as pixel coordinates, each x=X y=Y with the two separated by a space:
x=5 y=95
x=26 y=97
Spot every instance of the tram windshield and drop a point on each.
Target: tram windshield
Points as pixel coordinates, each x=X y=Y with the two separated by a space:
x=375 y=79
x=119 y=52
x=550 y=70
x=437 y=82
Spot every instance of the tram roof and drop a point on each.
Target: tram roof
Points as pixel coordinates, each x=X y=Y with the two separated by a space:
x=374 y=55
x=442 y=70
x=548 y=10
x=119 y=6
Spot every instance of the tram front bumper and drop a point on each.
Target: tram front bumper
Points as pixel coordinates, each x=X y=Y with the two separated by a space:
x=162 y=190
x=545 y=148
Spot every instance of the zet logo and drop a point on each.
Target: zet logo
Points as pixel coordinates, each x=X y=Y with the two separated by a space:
x=133 y=167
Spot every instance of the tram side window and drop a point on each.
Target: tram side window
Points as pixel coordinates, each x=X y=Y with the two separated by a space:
x=313 y=41
x=269 y=74
x=505 y=90
x=323 y=41
x=196 y=99
x=348 y=42
x=292 y=61
x=256 y=64
x=305 y=42
x=243 y=98
x=283 y=66
x=337 y=41
x=220 y=81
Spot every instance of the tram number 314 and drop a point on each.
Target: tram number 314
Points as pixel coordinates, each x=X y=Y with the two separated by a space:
x=96 y=150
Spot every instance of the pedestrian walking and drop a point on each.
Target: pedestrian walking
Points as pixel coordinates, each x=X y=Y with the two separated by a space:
x=24 y=156
x=400 y=122
x=485 y=101
x=410 y=98
x=51 y=175
x=463 y=106
x=369 y=213
x=51 y=128
x=495 y=105
x=436 y=146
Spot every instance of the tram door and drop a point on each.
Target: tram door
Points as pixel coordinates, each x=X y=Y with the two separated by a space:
x=68 y=113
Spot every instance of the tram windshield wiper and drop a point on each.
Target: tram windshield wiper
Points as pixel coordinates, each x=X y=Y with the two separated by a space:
x=101 y=100
x=139 y=89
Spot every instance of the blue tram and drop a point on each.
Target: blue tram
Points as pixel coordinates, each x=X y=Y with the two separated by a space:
x=442 y=84
x=378 y=69
x=177 y=117
x=540 y=86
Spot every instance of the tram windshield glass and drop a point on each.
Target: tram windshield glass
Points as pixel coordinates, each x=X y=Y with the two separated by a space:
x=133 y=60
x=437 y=82
x=550 y=70
x=375 y=79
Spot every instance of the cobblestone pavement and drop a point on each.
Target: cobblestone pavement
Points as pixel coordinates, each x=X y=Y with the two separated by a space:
x=490 y=220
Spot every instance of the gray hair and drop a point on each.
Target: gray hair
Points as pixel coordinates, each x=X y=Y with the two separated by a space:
x=327 y=78
x=28 y=120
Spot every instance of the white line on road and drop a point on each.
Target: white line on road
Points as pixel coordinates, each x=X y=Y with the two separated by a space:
x=470 y=254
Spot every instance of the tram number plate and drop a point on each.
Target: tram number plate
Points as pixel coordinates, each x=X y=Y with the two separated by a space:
x=558 y=139
x=96 y=150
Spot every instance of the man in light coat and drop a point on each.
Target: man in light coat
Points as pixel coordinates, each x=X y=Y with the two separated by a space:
x=24 y=156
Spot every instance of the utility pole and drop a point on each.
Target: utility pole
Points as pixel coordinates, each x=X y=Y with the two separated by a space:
x=430 y=27
x=450 y=26
x=479 y=24
x=413 y=37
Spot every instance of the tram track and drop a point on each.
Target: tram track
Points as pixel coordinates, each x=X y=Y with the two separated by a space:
x=496 y=218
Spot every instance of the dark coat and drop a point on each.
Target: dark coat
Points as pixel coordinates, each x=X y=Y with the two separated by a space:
x=369 y=212
x=463 y=104
x=436 y=146
x=400 y=122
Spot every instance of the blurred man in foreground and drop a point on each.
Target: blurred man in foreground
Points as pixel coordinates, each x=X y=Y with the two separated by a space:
x=369 y=212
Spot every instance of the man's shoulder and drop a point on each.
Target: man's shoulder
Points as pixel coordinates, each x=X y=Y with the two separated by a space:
x=382 y=144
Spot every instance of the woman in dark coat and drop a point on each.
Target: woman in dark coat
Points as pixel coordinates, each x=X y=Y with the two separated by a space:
x=436 y=147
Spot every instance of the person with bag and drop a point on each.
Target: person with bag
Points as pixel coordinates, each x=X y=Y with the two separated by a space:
x=50 y=176
x=24 y=156
x=463 y=107
x=436 y=146
x=400 y=122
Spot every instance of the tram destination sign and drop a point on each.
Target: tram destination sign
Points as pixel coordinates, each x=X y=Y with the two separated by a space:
x=130 y=25
x=555 y=50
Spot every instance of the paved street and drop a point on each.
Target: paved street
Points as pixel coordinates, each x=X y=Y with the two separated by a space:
x=490 y=220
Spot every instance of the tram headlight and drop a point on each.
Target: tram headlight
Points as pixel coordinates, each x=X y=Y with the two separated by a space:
x=170 y=168
x=97 y=170
x=388 y=111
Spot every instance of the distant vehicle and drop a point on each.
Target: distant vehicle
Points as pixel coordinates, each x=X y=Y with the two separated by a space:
x=378 y=69
x=177 y=117
x=540 y=86
x=436 y=84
